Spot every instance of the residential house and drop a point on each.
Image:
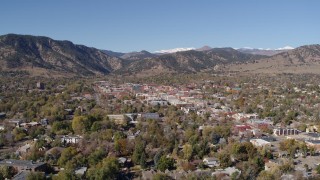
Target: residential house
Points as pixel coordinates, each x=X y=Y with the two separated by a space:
x=21 y=175
x=229 y=171
x=40 y=85
x=24 y=165
x=119 y=118
x=283 y=154
x=242 y=130
x=2 y=128
x=54 y=152
x=201 y=128
x=312 y=136
x=260 y=143
x=2 y=115
x=285 y=131
x=154 y=116
x=15 y=122
x=24 y=149
x=157 y=102
x=175 y=174
x=243 y=116
x=122 y=160
x=313 y=143
x=287 y=177
x=71 y=139
x=312 y=128
x=187 y=110
x=30 y=124
x=260 y=123
x=44 y=122
x=211 y=162
x=81 y=171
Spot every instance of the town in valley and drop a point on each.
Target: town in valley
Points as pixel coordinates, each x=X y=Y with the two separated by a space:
x=178 y=127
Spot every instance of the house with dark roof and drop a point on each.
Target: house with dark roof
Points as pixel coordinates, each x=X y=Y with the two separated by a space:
x=24 y=165
x=2 y=115
x=21 y=175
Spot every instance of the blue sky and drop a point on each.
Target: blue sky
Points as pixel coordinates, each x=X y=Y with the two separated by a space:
x=134 y=25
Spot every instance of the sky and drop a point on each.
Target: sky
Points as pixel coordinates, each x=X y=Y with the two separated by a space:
x=153 y=25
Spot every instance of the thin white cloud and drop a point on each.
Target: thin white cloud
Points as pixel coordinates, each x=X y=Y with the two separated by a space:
x=167 y=51
x=243 y=48
x=268 y=49
x=285 y=48
x=174 y=50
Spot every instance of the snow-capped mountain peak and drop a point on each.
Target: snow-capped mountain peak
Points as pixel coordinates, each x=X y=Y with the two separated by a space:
x=174 y=50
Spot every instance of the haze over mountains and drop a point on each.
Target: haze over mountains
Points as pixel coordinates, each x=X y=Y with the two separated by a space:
x=301 y=60
x=266 y=52
x=45 y=56
x=145 y=54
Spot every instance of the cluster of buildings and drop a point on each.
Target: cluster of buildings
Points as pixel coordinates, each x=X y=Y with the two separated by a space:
x=216 y=107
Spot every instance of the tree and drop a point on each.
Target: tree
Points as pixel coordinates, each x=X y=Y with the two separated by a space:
x=106 y=135
x=66 y=155
x=139 y=150
x=215 y=138
x=95 y=157
x=143 y=161
x=83 y=124
x=187 y=166
x=201 y=149
x=258 y=161
x=6 y=172
x=96 y=126
x=65 y=175
x=187 y=151
x=161 y=176
x=34 y=154
x=19 y=134
x=3 y=140
x=80 y=124
x=121 y=146
x=222 y=131
x=36 y=176
x=224 y=159
x=318 y=169
x=287 y=167
x=165 y=163
x=36 y=131
x=249 y=169
x=109 y=168
x=306 y=166
x=157 y=157
x=287 y=144
x=61 y=127
x=189 y=133
x=235 y=175
x=266 y=175
x=243 y=151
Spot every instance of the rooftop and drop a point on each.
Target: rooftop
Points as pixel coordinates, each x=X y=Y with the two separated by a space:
x=314 y=141
x=21 y=175
x=315 y=135
x=14 y=162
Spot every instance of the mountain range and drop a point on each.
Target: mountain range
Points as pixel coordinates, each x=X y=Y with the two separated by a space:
x=265 y=52
x=40 y=55
x=43 y=56
x=301 y=60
